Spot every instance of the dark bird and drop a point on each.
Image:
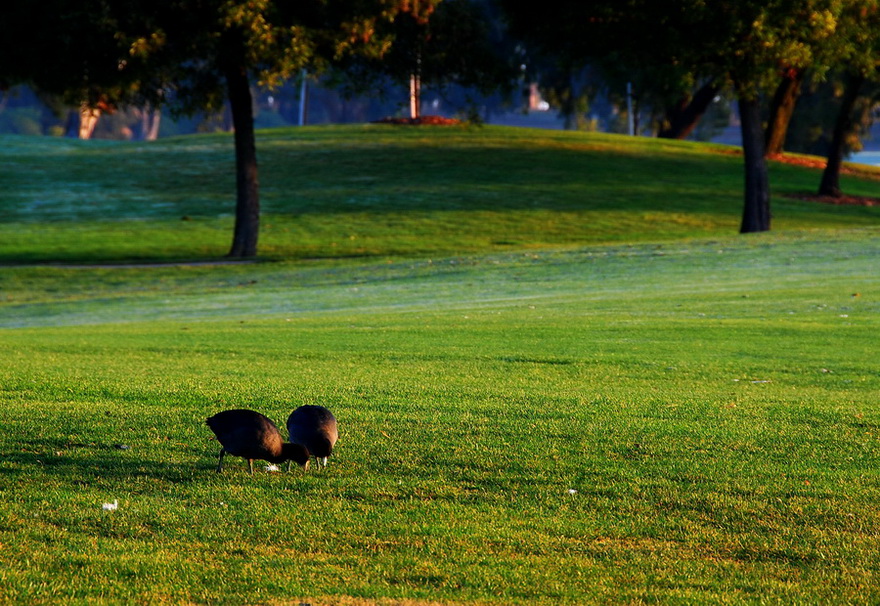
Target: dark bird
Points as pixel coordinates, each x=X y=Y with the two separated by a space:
x=248 y=434
x=315 y=428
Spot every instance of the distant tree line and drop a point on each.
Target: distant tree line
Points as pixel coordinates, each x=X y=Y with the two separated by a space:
x=803 y=73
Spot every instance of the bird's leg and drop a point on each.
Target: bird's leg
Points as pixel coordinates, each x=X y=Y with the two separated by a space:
x=251 y=466
x=220 y=460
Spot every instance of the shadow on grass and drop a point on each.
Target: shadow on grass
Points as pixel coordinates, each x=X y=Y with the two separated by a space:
x=84 y=464
x=112 y=260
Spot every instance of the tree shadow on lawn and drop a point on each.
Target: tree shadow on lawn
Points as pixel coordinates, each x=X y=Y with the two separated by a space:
x=100 y=462
x=510 y=180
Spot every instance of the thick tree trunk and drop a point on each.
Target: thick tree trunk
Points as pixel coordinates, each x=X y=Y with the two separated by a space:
x=150 y=120
x=88 y=119
x=756 y=211
x=247 y=205
x=684 y=117
x=781 y=110
x=830 y=184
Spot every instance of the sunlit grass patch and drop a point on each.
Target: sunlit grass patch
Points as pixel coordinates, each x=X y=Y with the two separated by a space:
x=659 y=422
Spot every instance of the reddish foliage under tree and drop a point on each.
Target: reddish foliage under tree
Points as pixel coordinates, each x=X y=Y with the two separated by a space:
x=428 y=120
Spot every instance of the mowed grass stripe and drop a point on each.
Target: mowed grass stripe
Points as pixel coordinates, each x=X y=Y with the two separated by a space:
x=620 y=276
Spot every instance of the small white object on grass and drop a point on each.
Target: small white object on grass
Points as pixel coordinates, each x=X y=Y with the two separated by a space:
x=111 y=506
x=572 y=491
x=272 y=468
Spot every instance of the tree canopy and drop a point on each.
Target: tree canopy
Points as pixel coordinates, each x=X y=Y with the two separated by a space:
x=457 y=43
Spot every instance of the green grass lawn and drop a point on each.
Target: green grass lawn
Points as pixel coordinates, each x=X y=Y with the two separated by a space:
x=600 y=415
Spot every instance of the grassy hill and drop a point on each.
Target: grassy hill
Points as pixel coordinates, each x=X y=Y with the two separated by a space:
x=382 y=190
x=561 y=376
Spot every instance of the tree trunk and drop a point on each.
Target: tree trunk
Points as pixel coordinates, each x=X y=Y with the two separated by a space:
x=830 y=184
x=756 y=211
x=684 y=117
x=247 y=205
x=781 y=110
x=415 y=93
x=152 y=117
x=88 y=119
x=415 y=88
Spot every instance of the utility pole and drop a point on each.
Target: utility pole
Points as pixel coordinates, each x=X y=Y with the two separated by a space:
x=630 y=119
x=303 y=98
